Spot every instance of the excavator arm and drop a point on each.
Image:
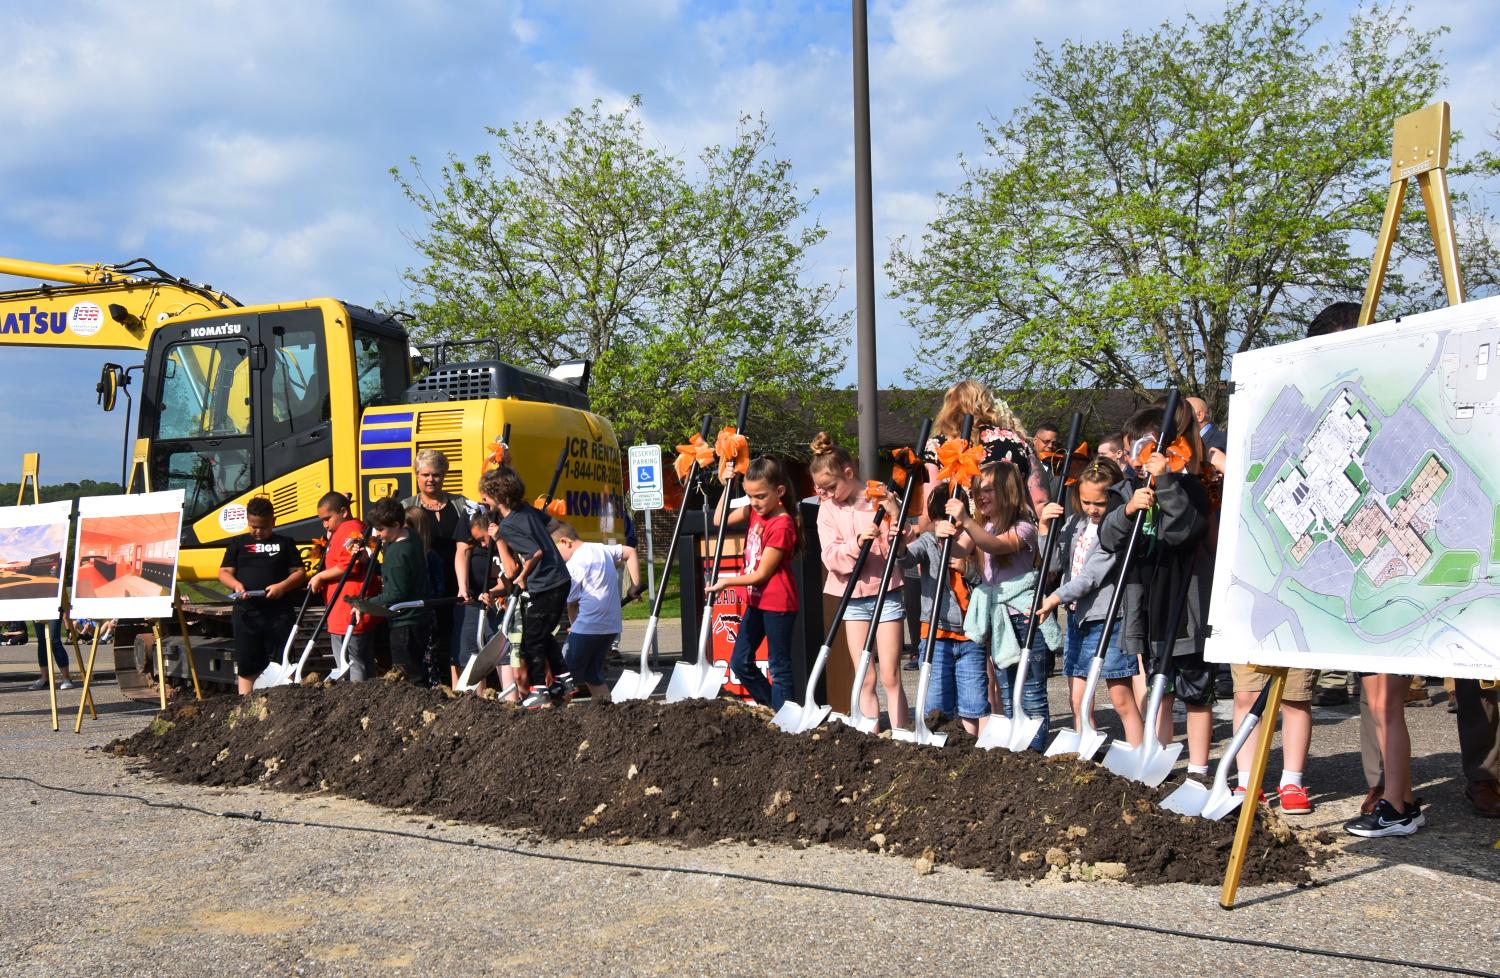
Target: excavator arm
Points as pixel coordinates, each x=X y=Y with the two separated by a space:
x=97 y=306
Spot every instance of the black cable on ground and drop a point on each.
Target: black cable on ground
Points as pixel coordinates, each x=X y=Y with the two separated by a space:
x=256 y=816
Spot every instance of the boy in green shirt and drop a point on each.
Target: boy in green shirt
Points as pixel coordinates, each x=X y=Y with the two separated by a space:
x=403 y=577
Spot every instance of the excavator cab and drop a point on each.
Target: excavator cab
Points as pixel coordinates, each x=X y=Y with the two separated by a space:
x=242 y=403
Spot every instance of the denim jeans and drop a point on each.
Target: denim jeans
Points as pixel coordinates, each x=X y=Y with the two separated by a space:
x=59 y=650
x=775 y=627
x=1083 y=643
x=1034 y=693
x=958 y=679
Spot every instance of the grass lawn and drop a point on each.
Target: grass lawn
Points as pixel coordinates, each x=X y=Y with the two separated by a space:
x=671 y=605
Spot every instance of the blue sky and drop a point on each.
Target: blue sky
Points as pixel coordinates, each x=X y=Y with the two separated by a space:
x=247 y=144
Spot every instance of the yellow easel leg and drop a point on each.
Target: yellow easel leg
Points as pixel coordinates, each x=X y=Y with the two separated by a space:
x=88 y=678
x=161 y=665
x=187 y=650
x=45 y=635
x=1248 y=807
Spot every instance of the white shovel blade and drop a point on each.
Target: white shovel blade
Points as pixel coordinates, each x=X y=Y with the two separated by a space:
x=920 y=735
x=1022 y=732
x=274 y=674
x=713 y=680
x=1159 y=765
x=796 y=718
x=1221 y=803
x=635 y=685
x=687 y=679
x=863 y=724
x=1066 y=742
x=1090 y=743
x=996 y=732
x=1124 y=760
x=1190 y=798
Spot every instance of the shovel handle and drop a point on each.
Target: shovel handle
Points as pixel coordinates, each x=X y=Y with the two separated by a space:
x=890 y=558
x=1049 y=549
x=687 y=488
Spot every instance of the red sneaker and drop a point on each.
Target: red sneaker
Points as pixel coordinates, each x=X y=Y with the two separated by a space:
x=1294 y=799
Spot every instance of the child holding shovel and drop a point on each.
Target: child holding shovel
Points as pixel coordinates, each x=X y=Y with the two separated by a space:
x=959 y=675
x=346 y=537
x=771 y=539
x=543 y=577
x=1003 y=529
x=1175 y=561
x=403 y=578
x=265 y=561
x=846 y=519
x=594 y=603
x=1088 y=574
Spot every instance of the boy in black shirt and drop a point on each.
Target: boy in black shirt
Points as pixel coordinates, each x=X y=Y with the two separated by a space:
x=403 y=577
x=261 y=560
x=544 y=577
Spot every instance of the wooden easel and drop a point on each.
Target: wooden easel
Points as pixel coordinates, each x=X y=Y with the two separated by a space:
x=1420 y=150
x=139 y=464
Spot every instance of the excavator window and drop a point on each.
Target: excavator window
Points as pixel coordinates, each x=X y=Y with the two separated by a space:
x=296 y=386
x=380 y=364
x=205 y=390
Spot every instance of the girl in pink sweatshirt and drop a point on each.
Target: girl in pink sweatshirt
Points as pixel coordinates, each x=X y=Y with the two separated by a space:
x=846 y=519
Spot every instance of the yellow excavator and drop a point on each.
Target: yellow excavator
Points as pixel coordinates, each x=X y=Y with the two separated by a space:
x=291 y=400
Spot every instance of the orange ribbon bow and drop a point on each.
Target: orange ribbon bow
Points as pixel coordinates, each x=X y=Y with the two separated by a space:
x=557 y=508
x=317 y=547
x=958 y=463
x=874 y=490
x=906 y=462
x=731 y=446
x=499 y=455
x=696 y=450
x=1177 y=453
x=1076 y=463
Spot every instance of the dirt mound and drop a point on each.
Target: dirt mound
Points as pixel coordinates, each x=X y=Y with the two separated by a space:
x=695 y=773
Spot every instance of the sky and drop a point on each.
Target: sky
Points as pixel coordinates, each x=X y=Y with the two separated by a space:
x=248 y=145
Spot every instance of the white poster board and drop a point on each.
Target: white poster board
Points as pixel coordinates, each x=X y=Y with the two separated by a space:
x=1361 y=520
x=125 y=555
x=33 y=545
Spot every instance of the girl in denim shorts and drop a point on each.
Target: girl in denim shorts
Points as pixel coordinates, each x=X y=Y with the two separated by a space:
x=1087 y=588
x=846 y=519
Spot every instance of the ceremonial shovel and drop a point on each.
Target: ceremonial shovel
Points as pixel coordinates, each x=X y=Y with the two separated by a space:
x=1192 y=798
x=704 y=678
x=341 y=661
x=640 y=685
x=1016 y=731
x=281 y=673
x=919 y=733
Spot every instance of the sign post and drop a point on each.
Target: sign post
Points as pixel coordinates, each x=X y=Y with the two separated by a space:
x=646 y=496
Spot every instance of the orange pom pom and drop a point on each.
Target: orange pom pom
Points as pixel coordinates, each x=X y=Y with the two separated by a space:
x=731 y=446
x=874 y=490
x=695 y=452
x=958 y=463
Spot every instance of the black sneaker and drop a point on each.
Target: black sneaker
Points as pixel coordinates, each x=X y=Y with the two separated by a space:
x=539 y=697
x=1415 y=813
x=1383 y=821
x=912 y=664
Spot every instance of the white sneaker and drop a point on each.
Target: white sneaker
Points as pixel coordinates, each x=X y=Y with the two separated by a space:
x=39 y=684
x=65 y=684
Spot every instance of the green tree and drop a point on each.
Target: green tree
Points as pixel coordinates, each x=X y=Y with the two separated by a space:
x=580 y=240
x=1167 y=200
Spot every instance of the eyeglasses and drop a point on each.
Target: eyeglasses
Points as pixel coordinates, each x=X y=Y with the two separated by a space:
x=824 y=493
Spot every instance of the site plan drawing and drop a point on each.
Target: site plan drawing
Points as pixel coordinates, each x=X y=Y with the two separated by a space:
x=1361 y=519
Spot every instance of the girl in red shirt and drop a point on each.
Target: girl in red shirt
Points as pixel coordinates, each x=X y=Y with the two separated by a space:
x=771 y=538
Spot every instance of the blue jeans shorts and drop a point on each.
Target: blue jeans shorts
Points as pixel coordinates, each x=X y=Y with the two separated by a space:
x=863 y=609
x=958 y=673
x=1083 y=642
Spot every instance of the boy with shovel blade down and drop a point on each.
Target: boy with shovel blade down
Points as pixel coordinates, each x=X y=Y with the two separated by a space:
x=266 y=564
x=345 y=547
x=404 y=579
x=594 y=603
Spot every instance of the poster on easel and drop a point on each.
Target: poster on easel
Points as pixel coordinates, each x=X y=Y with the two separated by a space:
x=33 y=545
x=1361 y=521
x=125 y=558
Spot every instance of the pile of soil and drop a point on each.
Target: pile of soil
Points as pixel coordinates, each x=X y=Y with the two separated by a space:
x=700 y=772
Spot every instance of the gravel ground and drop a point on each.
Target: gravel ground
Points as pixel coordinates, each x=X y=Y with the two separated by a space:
x=102 y=886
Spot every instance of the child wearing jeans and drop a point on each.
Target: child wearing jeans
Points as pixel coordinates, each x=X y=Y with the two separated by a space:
x=959 y=676
x=1088 y=586
x=771 y=539
x=1004 y=532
